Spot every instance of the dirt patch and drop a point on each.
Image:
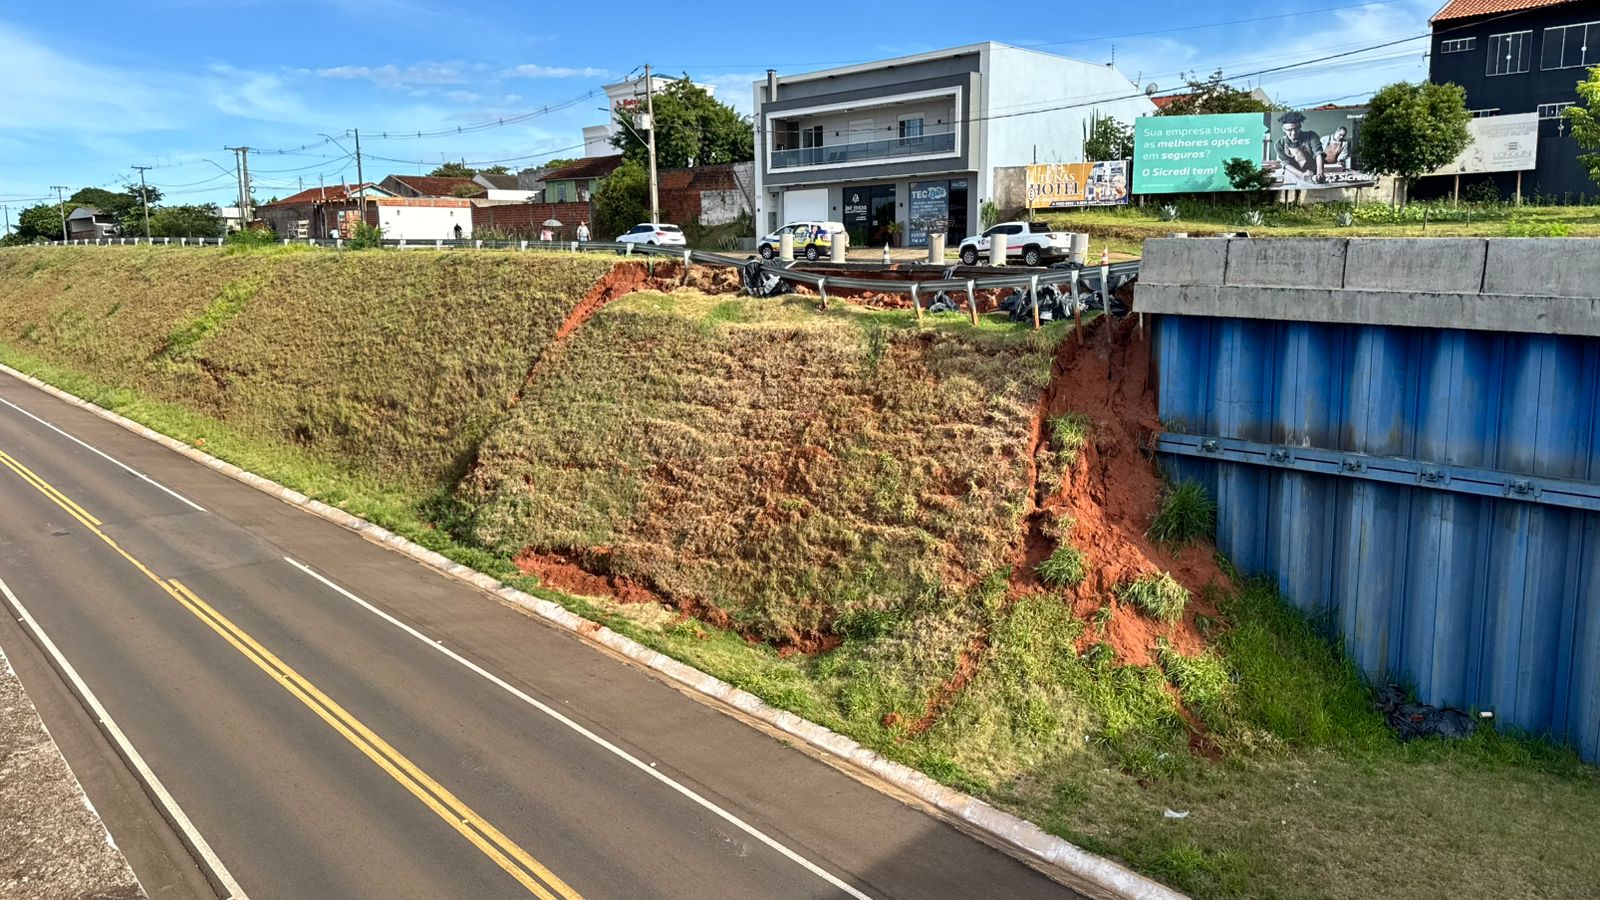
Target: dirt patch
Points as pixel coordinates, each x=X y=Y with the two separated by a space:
x=623 y=279
x=586 y=576
x=967 y=667
x=1111 y=493
x=564 y=573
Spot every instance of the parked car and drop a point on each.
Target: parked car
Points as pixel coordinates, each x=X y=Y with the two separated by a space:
x=657 y=234
x=1031 y=242
x=812 y=240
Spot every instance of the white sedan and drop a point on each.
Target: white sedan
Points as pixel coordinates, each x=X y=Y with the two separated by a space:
x=654 y=233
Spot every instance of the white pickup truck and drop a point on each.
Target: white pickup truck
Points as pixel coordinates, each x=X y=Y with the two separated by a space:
x=1031 y=242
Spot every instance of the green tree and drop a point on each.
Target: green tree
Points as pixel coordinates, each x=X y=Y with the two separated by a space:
x=495 y=170
x=1107 y=139
x=39 y=223
x=1213 y=95
x=1585 y=126
x=453 y=170
x=111 y=203
x=201 y=220
x=692 y=128
x=1412 y=129
x=1245 y=175
x=622 y=200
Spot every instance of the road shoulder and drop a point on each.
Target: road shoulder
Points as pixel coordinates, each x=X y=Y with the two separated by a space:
x=52 y=841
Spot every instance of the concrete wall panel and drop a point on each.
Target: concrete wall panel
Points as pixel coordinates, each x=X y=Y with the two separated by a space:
x=1304 y=263
x=1438 y=265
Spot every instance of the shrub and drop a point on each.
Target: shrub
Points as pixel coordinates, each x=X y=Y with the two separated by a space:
x=251 y=239
x=1187 y=514
x=366 y=237
x=1158 y=596
x=1066 y=566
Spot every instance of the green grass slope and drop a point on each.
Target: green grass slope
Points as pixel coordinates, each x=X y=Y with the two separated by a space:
x=393 y=364
x=787 y=469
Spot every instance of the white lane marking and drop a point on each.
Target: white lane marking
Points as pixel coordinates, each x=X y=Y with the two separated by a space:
x=174 y=813
x=106 y=456
x=647 y=768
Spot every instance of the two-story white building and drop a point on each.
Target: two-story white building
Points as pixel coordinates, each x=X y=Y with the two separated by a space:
x=905 y=147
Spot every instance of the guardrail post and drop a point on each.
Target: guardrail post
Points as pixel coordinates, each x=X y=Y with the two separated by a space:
x=688 y=256
x=822 y=290
x=972 y=300
x=167 y=241
x=479 y=243
x=916 y=301
x=524 y=246
x=1105 y=288
x=1077 y=310
x=438 y=244
x=338 y=243
x=1033 y=291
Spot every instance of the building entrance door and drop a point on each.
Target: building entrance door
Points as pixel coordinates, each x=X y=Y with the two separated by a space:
x=882 y=211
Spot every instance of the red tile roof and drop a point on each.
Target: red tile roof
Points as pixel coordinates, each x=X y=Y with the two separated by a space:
x=591 y=167
x=1167 y=100
x=333 y=193
x=431 y=186
x=1467 y=9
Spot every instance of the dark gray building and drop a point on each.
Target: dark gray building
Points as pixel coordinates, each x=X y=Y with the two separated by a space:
x=1521 y=56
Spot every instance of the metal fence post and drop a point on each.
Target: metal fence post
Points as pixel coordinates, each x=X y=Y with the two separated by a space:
x=972 y=299
x=822 y=290
x=1033 y=291
x=916 y=301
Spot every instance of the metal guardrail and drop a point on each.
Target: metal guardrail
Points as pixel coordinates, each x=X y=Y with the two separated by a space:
x=1091 y=278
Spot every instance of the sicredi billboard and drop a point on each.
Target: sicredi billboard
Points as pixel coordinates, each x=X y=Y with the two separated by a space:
x=1185 y=154
x=1499 y=144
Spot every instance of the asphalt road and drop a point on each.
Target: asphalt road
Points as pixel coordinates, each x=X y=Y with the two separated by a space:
x=335 y=720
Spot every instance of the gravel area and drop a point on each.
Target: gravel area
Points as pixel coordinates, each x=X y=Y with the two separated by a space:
x=52 y=842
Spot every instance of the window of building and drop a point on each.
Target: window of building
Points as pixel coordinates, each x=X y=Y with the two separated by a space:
x=910 y=129
x=1485 y=113
x=1552 y=110
x=1508 y=53
x=1567 y=46
x=1457 y=45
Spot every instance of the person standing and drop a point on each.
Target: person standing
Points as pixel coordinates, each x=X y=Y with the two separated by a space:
x=583 y=232
x=1300 y=150
x=546 y=235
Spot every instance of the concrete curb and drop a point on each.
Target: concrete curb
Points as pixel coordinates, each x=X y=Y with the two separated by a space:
x=1020 y=835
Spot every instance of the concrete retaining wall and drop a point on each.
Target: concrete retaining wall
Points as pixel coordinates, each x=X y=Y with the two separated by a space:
x=1529 y=285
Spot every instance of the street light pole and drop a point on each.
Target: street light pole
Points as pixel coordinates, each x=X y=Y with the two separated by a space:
x=144 y=198
x=650 y=111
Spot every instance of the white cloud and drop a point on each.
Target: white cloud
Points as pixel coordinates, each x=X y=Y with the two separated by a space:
x=48 y=91
x=255 y=95
x=734 y=89
x=394 y=76
x=534 y=70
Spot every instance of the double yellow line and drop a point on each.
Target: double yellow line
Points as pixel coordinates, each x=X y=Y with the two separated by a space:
x=517 y=862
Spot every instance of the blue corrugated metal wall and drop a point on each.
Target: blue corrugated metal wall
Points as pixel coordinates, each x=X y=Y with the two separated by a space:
x=1475 y=599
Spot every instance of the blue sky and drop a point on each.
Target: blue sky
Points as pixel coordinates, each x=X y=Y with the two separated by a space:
x=93 y=88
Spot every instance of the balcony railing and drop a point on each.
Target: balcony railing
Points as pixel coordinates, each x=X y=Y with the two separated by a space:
x=866 y=151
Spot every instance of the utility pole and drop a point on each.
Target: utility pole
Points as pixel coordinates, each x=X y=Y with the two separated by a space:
x=60 y=200
x=7 y=210
x=360 y=180
x=650 y=111
x=144 y=198
x=238 y=171
x=244 y=166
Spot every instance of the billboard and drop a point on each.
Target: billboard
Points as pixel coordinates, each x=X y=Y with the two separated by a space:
x=1312 y=149
x=1316 y=149
x=1062 y=185
x=1499 y=144
x=1185 y=154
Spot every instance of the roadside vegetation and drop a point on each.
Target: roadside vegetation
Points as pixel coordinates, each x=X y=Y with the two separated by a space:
x=825 y=509
x=1126 y=228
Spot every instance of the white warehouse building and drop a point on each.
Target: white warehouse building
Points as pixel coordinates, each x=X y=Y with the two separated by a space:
x=906 y=147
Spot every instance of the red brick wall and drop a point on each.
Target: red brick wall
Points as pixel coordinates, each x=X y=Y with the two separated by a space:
x=525 y=220
x=680 y=190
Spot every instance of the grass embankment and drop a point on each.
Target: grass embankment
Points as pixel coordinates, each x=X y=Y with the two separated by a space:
x=770 y=442
x=1125 y=229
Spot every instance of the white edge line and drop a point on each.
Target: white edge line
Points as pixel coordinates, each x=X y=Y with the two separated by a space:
x=1023 y=838
x=169 y=806
x=108 y=457
x=613 y=748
